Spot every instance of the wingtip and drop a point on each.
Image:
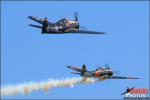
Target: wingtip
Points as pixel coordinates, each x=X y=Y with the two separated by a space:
x=29 y=24
x=101 y=33
x=68 y=66
x=133 y=78
x=137 y=78
x=122 y=93
x=29 y=16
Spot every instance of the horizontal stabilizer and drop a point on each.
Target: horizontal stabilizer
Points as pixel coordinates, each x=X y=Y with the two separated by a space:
x=75 y=73
x=38 y=20
x=74 y=68
x=36 y=26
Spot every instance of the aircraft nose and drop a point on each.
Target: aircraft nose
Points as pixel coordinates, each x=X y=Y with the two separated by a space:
x=111 y=73
x=77 y=26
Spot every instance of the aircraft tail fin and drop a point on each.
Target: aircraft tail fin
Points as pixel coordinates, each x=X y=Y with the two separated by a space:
x=83 y=69
x=45 y=26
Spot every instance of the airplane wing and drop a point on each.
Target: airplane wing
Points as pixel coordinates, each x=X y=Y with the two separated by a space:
x=121 y=77
x=127 y=91
x=38 y=20
x=61 y=20
x=85 y=32
x=75 y=68
x=124 y=93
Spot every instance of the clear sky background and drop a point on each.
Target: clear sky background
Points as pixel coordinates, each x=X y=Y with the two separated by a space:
x=27 y=55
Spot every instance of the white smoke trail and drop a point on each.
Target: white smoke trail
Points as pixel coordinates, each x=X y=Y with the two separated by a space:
x=27 y=88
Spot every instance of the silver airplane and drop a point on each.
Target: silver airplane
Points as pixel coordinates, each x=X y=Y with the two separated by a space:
x=101 y=72
x=62 y=26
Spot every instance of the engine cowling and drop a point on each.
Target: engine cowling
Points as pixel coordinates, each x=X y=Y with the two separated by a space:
x=77 y=26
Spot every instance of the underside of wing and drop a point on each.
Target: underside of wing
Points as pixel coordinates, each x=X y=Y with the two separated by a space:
x=121 y=77
x=38 y=20
x=75 y=68
x=85 y=32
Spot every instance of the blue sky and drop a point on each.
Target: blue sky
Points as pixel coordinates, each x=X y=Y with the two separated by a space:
x=28 y=55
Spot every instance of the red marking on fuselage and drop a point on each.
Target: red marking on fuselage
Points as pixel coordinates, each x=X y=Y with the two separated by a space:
x=97 y=73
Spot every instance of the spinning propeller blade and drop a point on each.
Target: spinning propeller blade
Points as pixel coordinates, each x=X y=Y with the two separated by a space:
x=107 y=66
x=76 y=16
x=84 y=28
x=97 y=66
x=117 y=72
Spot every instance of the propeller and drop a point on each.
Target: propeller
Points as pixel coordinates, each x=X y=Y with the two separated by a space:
x=76 y=19
x=107 y=66
x=76 y=16
x=45 y=18
x=97 y=66
x=117 y=72
x=84 y=28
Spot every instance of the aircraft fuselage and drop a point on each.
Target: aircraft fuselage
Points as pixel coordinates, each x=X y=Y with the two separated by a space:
x=64 y=25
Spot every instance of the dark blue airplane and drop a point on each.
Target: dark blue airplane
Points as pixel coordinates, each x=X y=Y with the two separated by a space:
x=62 y=26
